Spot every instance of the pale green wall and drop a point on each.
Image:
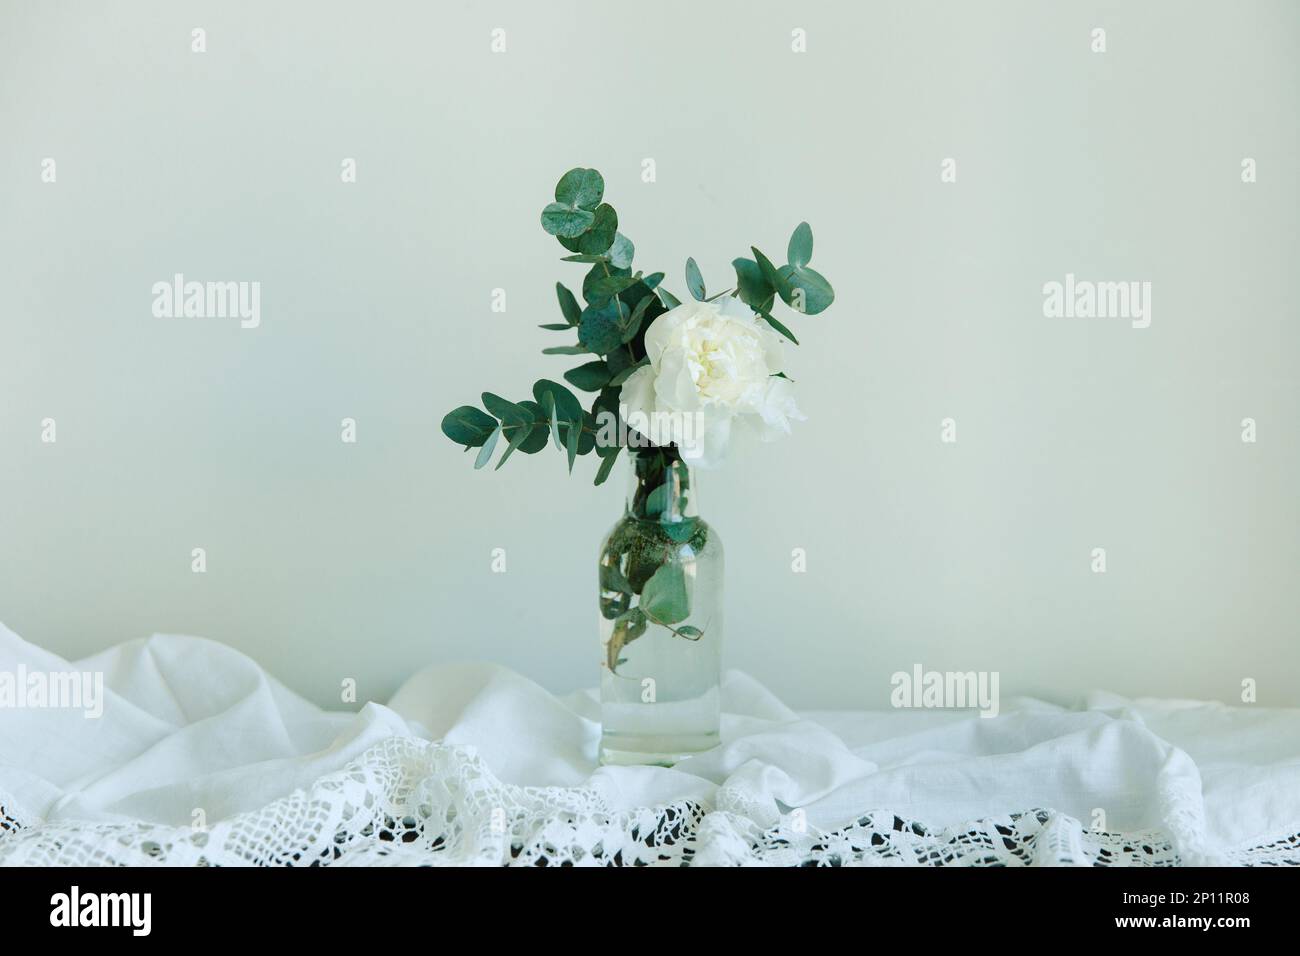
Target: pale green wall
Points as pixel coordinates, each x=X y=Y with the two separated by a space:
x=328 y=560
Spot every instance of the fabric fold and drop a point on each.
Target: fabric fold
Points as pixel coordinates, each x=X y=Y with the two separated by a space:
x=200 y=756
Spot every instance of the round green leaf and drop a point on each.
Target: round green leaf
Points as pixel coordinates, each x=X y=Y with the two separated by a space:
x=602 y=281
x=591 y=377
x=600 y=236
x=609 y=286
x=619 y=360
x=621 y=252
x=468 y=426
x=508 y=412
x=566 y=221
x=567 y=407
x=752 y=286
x=664 y=595
x=583 y=188
x=536 y=439
x=602 y=326
x=815 y=295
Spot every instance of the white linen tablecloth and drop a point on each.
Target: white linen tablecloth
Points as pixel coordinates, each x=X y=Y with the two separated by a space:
x=200 y=757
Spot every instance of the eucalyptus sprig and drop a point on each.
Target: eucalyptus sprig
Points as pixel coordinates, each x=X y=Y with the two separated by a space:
x=610 y=323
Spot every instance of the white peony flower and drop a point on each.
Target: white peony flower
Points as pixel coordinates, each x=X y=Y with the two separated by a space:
x=712 y=371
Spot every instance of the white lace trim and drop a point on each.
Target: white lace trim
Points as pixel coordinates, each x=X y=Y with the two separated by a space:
x=410 y=802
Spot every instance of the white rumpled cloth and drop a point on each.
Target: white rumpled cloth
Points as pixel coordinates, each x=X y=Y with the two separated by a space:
x=200 y=757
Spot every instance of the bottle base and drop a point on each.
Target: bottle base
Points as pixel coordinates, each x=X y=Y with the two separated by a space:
x=626 y=750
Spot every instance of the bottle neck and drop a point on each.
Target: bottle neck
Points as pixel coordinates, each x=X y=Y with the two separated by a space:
x=661 y=487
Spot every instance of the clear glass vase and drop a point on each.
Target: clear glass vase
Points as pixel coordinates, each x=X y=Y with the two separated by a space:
x=660 y=586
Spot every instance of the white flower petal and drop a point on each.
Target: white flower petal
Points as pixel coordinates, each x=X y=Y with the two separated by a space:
x=638 y=392
x=711 y=366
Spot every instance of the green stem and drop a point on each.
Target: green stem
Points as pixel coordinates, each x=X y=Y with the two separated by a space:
x=685 y=637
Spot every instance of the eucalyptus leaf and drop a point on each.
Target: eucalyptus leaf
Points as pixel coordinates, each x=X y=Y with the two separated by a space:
x=624 y=375
x=600 y=235
x=808 y=291
x=751 y=285
x=567 y=407
x=771 y=273
x=591 y=377
x=621 y=252
x=504 y=410
x=517 y=433
x=634 y=323
x=627 y=628
x=771 y=320
x=604 y=410
x=603 y=326
x=555 y=326
x=485 y=453
x=694 y=280
x=551 y=411
x=569 y=423
x=468 y=426
x=566 y=221
x=580 y=188
x=613 y=604
x=612 y=579
x=664 y=597
x=609 y=286
x=652 y=281
x=635 y=294
x=801 y=246
x=595 y=274
x=656 y=501
x=568 y=304
x=586 y=434
x=669 y=300
x=618 y=360
x=565 y=350
x=516 y=422
x=571 y=444
x=606 y=466
x=537 y=435
x=680 y=531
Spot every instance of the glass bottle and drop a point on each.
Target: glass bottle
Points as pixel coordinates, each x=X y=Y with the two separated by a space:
x=660 y=586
